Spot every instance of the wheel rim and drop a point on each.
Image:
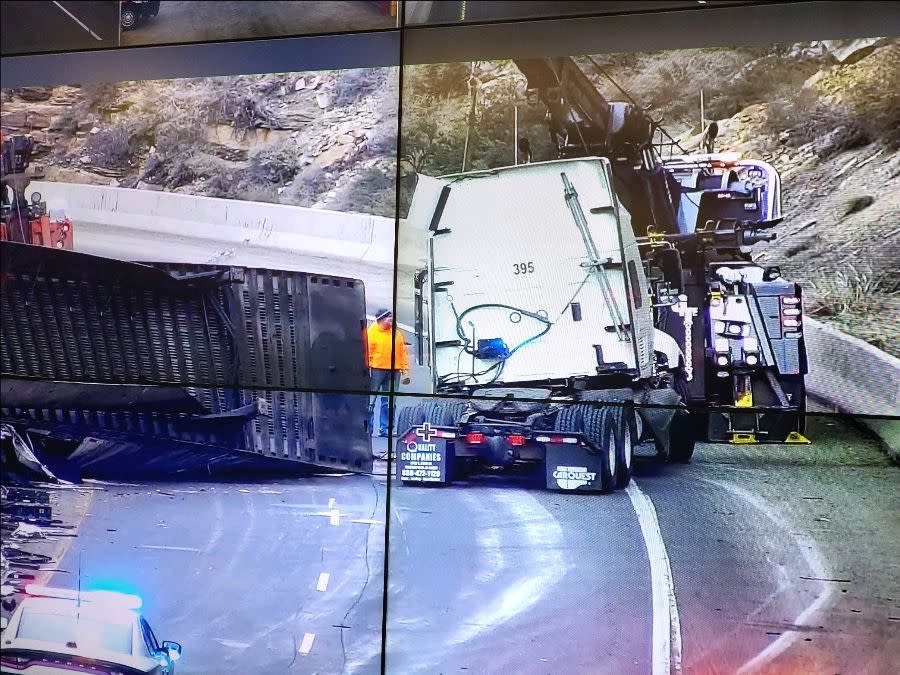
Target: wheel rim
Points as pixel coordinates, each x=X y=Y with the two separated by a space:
x=628 y=449
x=128 y=19
x=611 y=451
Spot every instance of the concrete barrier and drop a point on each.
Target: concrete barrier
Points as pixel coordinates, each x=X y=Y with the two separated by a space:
x=851 y=376
x=149 y=226
x=226 y=221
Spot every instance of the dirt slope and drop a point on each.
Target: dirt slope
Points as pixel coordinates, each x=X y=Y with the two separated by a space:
x=317 y=139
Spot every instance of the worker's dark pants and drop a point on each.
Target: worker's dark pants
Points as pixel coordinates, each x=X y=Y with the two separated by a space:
x=381 y=381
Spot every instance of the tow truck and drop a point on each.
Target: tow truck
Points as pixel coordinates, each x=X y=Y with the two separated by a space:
x=572 y=309
x=25 y=218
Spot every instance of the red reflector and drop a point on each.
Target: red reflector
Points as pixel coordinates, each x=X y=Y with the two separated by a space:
x=475 y=437
x=517 y=439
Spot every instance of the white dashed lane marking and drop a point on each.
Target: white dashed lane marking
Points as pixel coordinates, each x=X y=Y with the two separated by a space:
x=79 y=22
x=322 y=586
x=307 y=643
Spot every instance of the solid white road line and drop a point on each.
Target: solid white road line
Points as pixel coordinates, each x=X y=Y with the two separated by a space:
x=307 y=643
x=322 y=586
x=335 y=517
x=76 y=20
x=171 y=548
x=330 y=503
x=812 y=557
x=666 y=624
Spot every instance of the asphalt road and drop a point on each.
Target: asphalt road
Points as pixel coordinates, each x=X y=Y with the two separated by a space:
x=37 y=26
x=231 y=570
x=782 y=559
x=191 y=21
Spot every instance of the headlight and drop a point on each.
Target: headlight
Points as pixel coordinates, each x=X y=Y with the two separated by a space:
x=751 y=359
x=719 y=327
x=722 y=360
x=734 y=329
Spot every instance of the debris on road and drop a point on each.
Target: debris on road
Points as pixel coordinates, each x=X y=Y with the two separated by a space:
x=27 y=523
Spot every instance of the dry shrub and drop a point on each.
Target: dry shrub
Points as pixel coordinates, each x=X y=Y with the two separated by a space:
x=372 y=191
x=273 y=164
x=838 y=293
x=308 y=186
x=808 y=118
x=113 y=148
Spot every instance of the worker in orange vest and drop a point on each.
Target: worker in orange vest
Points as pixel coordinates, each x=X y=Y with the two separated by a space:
x=380 y=337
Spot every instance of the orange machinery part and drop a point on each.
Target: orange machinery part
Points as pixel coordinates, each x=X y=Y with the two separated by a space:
x=52 y=233
x=46 y=232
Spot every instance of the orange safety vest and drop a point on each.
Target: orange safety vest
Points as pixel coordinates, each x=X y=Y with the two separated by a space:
x=379 y=347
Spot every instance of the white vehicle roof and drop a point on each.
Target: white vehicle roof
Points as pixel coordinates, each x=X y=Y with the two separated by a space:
x=34 y=620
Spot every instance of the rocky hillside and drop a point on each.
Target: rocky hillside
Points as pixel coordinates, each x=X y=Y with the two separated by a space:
x=826 y=114
x=323 y=140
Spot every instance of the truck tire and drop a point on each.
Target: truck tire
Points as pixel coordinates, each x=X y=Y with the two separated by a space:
x=685 y=428
x=683 y=435
x=455 y=410
x=568 y=420
x=443 y=413
x=600 y=428
x=408 y=417
x=626 y=434
x=129 y=16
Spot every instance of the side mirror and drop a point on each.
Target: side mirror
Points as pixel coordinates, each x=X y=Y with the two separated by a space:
x=173 y=649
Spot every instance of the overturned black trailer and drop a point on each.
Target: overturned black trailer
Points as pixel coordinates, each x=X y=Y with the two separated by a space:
x=178 y=370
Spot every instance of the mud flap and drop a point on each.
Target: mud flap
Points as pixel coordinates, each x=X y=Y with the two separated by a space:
x=573 y=467
x=424 y=462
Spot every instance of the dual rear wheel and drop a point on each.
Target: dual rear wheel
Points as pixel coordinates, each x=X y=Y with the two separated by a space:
x=611 y=429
